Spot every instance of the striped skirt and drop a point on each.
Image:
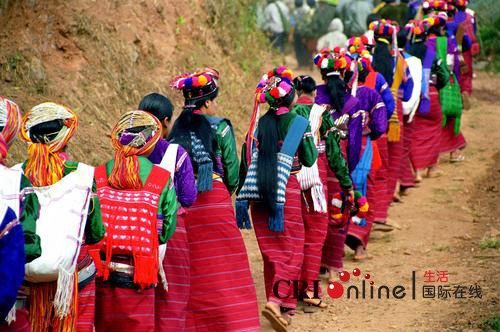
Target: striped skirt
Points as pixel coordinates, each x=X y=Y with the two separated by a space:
x=356 y=234
x=407 y=175
x=449 y=141
x=223 y=296
x=377 y=185
x=425 y=132
x=282 y=252
x=396 y=152
x=315 y=228
x=171 y=306
x=465 y=79
x=124 y=309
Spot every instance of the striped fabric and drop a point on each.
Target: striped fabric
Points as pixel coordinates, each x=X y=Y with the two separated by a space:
x=425 y=132
x=465 y=79
x=86 y=300
x=333 y=248
x=407 y=176
x=395 y=159
x=171 y=306
x=378 y=184
x=222 y=296
x=124 y=309
x=315 y=227
x=449 y=141
x=282 y=252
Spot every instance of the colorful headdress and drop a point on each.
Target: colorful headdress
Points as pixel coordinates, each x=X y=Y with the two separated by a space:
x=44 y=165
x=355 y=46
x=461 y=3
x=272 y=88
x=344 y=208
x=197 y=85
x=384 y=28
x=331 y=63
x=10 y=122
x=135 y=134
x=436 y=5
x=418 y=30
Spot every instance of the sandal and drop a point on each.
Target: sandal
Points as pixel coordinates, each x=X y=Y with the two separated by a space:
x=278 y=322
x=457 y=159
x=310 y=306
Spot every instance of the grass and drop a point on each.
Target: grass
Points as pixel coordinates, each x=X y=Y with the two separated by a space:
x=489 y=243
x=492 y=324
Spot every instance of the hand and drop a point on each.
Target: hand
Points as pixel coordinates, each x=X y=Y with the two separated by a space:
x=349 y=194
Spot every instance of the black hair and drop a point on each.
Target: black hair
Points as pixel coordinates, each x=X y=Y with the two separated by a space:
x=299 y=3
x=362 y=75
x=372 y=17
x=304 y=84
x=46 y=132
x=268 y=138
x=382 y=60
x=418 y=49
x=188 y=122
x=311 y=3
x=336 y=88
x=402 y=39
x=158 y=105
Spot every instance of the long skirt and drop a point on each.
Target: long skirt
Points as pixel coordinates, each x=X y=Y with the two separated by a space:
x=171 y=306
x=449 y=141
x=333 y=248
x=356 y=234
x=282 y=252
x=465 y=79
x=377 y=183
x=425 y=132
x=396 y=152
x=124 y=309
x=315 y=228
x=407 y=175
x=223 y=296
x=21 y=324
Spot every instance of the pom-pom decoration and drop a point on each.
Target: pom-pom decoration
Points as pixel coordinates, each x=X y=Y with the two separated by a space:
x=343 y=208
x=197 y=79
x=384 y=28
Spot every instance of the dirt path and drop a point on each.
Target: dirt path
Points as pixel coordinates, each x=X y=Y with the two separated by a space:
x=443 y=223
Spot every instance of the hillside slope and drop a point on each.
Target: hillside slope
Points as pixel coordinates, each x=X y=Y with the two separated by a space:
x=101 y=57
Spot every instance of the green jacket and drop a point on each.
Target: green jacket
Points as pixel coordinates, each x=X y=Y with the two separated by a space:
x=167 y=205
x=332 y=144
x=226 y=150
x=306 y=153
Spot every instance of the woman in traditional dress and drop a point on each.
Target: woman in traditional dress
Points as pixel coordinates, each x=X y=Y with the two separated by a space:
x=425 y=129
x=171 y=305
x=18 y=208
x=223 y=296
x=276 y=207
x=61 y=281
x=313 y=182
x=139 y=208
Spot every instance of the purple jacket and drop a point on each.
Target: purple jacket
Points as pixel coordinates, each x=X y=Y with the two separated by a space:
x=184 y=181
x=371 y=102
x=355 y=126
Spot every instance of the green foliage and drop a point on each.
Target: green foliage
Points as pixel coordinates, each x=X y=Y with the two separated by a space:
x=235 y=27
x=490 y=243
x=488 y=18
x=492 y=324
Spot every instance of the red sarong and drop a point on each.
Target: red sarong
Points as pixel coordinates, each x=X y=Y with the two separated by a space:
x=282 y=252
x=21 y=324
x=407 y=175
x=124 y=309
x=223 y=296
x=449 y=141
x=171 y=306
x=396 y=151
x=377 y=186
x=425 y=132
x=360 y=234
x=315 y=227
x=465 y=79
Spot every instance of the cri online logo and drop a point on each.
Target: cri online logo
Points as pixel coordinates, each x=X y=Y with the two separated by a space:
x=336 y=289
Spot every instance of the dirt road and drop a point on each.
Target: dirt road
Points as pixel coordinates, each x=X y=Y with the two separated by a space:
x=443 y=223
